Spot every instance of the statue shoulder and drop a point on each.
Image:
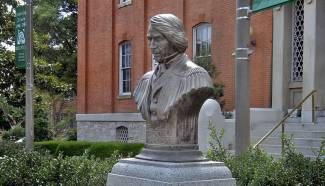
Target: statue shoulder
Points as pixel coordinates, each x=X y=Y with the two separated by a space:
x=141 y=94
x=147 y=75
x=192 y=68
x=142 y=84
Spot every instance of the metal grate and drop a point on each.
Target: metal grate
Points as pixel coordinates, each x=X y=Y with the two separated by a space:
x=298 y=41
x=122 y=134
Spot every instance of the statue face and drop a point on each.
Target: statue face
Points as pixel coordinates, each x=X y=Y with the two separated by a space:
x=159 y=45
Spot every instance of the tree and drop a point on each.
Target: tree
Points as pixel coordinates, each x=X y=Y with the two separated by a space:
x=206 y=63
x=11 y=79
x=55 y=37
x=55 y=40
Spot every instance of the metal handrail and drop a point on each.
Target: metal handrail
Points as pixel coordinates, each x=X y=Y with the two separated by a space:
x=282 y=122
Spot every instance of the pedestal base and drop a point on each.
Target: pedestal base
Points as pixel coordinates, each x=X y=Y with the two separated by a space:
x=141 y=172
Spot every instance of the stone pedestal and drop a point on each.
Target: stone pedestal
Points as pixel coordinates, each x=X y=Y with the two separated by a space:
x=181 y=165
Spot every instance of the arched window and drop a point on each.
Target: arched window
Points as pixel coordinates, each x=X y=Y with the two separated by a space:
x=202 y=43
x=122 y=134
x=125 y=68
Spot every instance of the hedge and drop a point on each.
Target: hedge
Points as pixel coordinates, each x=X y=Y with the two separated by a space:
x=98 y=149
x=35 y=168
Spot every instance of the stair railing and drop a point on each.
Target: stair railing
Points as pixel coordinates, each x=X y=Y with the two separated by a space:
x=282 y=122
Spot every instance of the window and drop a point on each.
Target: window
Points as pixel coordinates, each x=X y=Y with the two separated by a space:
x=123 y=3
x=122 y=134
x=125 y=68
x=297 y=41
x=202 y=43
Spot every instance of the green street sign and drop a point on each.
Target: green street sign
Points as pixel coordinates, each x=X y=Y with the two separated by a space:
x=260 y=5
x=20 y=43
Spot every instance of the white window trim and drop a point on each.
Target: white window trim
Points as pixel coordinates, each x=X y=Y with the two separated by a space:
x=121 y=93
x=123 y=4
x=194 y=38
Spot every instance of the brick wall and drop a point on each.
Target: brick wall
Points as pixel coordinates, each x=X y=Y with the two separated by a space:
x=102 y=26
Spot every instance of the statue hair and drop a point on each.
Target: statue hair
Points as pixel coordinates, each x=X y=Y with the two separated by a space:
x=172 y=28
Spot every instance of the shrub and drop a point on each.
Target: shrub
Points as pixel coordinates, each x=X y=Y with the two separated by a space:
x=72 y=134
x=98 y=149
x=35 y=168
x=15 y=132
x=72 y=148
x=104 y=150
x=50 y=146
x=255 y=167
x=7 y=147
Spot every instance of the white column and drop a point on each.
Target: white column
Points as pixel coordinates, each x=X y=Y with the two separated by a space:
x=314 y=55
x=282 y=36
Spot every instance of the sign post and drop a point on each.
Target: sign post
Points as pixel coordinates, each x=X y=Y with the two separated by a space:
x=29 y=126
x=242 y=85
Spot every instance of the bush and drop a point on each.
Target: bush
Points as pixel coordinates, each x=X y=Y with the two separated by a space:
x=98 y=149
x=104 y=150
x=72 y=148
x=35 y=168
x=72 y=134
x=16 y=133
x=7 y=147
x=256 y=167
x=50 y=146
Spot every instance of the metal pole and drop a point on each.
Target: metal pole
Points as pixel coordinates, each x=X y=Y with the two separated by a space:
x=29 y=125
x=242 y=85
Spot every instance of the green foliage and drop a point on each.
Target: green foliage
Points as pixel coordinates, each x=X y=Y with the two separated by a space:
x=11 y=78
x=206 y=63
x=16 y=132
x=34 y=168
x=11 y=116
x=98 y=149
x=50 y=146
x=7 y=21
x=55 y=37
x=72 y=134
x=66 y=127
x=72 y=148
x=103 y=150
x=217 y=150
x=7 y=148
x=255 y=167
x=42 y=106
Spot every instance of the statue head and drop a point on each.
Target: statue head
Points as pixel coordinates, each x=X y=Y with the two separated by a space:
x=166 y=36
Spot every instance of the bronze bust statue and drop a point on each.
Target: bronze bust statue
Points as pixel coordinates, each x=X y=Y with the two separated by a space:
x=170 y=97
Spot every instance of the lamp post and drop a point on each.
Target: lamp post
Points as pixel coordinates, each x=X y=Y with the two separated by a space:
x=29 y=123
x=242 y=85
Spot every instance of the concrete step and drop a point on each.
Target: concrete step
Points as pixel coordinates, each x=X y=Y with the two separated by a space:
x=289 y=125
x=294 y=133
x=305 y=150
x=279 y=155
x=320 y=120
x=300 y=134
x=309 y=142
x=305 y=126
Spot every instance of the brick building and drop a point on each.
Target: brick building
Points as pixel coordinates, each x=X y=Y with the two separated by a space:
x=113 y=54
